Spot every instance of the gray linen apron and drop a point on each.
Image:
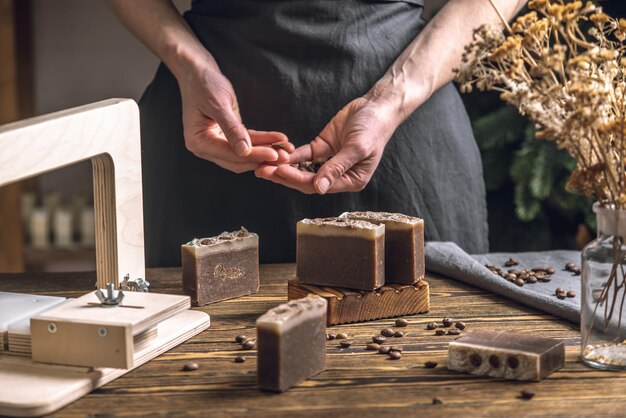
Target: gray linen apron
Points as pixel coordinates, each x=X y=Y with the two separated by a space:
x=293 y=65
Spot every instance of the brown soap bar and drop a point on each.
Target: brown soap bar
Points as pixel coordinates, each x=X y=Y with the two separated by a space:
x=404 y=244
x=506 y=354
x=340 y=252
x=221 y=267
x=291 y=343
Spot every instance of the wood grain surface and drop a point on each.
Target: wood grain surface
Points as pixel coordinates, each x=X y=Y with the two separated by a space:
x=357 y=382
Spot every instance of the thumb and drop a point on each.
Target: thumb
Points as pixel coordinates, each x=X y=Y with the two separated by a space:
x=236 y=134
x=333 y=169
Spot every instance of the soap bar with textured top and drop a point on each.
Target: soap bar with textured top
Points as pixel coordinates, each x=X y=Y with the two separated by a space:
x=221 y=267
x=340 y=252
x=506 y=354
x=291 y=343
x=404 y=244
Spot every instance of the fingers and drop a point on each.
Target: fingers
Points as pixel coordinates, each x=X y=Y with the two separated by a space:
x=216 y=149
x=317 y=150
x=335 y=168
x=266 y=137
x=234 y=131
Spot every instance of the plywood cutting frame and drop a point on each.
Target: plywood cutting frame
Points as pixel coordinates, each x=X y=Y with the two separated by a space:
x=108 y=134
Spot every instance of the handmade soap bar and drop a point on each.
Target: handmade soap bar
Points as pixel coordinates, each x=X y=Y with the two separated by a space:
x=506 y=354
x=404 y=244
x=341 y=252
x=291 y=343
x=221 y=267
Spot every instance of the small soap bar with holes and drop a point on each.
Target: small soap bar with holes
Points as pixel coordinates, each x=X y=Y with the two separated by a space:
x=340 y=252
x=404 y=244
x=291 y=343
x=221 y=267
x=506 y=354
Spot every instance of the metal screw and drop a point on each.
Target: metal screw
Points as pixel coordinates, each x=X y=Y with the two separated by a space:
x=102 y=331
x=52 y=327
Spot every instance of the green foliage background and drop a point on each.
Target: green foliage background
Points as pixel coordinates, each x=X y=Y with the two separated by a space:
x=529 y=208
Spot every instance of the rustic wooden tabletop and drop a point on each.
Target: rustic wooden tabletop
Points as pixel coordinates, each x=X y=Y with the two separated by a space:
x=356 y=382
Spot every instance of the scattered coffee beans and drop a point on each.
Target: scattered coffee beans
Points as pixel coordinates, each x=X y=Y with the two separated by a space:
x=430 y=364
x=379 y=339
x=398 y=334
x=447 y=322
x=527 y=394
x=384 y=350
x=401 y=322
x=341 y=336
x=431 y=326
x=440 y=332
x=189 y=367
x=395 y=355
x=240 y=338
x=387 y=332
x=372 y=346
x=240 y=359
x=248 y=345
x=345 y=343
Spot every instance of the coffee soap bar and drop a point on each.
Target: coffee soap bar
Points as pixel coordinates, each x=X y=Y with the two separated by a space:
x=404 y=244
x=507 y=355
x=291 y=343
x=340 y=252
x=221 y=267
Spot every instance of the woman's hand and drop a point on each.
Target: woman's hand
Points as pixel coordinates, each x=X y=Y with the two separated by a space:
x=350 y=148
x=213 y=128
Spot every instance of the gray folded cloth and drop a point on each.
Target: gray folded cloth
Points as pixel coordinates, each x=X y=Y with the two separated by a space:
x=447 y=259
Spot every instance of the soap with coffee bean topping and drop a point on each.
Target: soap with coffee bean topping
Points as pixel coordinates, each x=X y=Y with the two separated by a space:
x=340 y=252
x=291 y=343
x=404 y=244
x=506 y=354
x=221 y=267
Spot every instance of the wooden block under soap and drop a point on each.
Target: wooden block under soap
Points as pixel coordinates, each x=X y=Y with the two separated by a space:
x=506 y=354
x=347 y=305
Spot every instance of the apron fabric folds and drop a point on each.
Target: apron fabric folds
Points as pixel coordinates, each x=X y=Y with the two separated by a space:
x=294 y=64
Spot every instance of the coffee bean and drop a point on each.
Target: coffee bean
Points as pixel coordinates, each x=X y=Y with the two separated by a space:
x=550 y=270
x=278 y=145
x=248 y=345
x=519 y=282
x=447 y=322
x=430 y=364
x=384 y=350
x=431 y=326
x=395 y=355
x=398 y=334
x=494 y=361
x=387 y=332
x=460 y=325
x=511 y=262
x=401 y=322
x=440 y=332
x=475 y=360
x=379 y=339
x=571 y=294
x=372 y=346
x=512 y=362
x=527 y=394
x=576 y=271
x=545 y=279
x=189 y=367
x=331 y=336
x=341 y=336
x=532 y=280
x=395 y=348
x=570 y=266
x=560 y=296
x=345 y=343
x=240 y=338
x=512 y=271
x=240 y=359
x=454 y=331
x=559 y=290
x=510 y=276
x=437 y=401
x=491 y=266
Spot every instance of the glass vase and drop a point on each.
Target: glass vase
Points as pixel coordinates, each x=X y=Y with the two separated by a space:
x=603 y=293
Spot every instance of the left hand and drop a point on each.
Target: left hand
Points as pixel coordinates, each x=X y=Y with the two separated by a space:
x=350 y=146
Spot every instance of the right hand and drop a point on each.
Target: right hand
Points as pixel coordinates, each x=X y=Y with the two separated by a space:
x=213 y=128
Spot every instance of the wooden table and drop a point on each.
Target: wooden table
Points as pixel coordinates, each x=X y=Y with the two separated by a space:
x=357 y=382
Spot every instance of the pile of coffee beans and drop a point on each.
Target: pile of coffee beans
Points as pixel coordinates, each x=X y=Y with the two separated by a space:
x=523 y=276
x=245 y=342
x=310 y=166
x=447 y=323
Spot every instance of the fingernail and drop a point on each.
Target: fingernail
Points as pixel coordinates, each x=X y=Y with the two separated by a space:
x=323 y=185
x=241 y=147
